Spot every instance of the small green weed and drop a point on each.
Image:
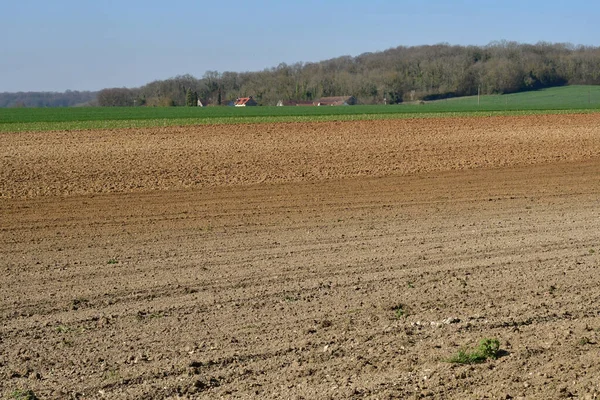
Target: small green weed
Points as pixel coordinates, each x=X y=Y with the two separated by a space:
x=23 y=395
x=488 y=348
x=584 y=341
x=113 y=374
x=399 y=310
x=112 y=261
x=143 y=315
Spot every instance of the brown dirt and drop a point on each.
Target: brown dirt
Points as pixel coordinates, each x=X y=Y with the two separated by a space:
x=265 y=261
x=68 y=163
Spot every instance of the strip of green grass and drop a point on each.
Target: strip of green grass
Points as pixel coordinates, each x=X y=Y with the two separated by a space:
x=557 y=98
x=568 y=99
x=176 y=113
x=148 y=123
x=53 y=115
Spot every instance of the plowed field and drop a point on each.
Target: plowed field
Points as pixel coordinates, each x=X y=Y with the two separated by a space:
x=302 y=261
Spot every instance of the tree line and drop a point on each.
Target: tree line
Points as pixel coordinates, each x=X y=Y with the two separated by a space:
x=395 y=75
x=48 y=99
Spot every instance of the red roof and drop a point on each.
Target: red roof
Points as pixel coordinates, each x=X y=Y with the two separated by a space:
x=242 y=101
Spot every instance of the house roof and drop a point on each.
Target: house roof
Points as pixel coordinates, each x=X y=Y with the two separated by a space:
x=296 y=103
x=335 y=100
x=305 y=103
x=242 y=100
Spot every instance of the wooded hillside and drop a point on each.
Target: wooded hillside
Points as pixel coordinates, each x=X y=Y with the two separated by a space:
x=395 y=75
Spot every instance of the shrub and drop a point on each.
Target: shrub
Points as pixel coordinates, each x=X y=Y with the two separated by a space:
x=487 y=348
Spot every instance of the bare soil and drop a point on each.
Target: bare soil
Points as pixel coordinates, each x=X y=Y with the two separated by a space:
x=302 y=261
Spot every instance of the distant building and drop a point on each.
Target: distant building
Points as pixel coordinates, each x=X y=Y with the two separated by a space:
x=323 y=101
x=202 y=102
x=245 y=102
x=282 y=103
x=336 y=101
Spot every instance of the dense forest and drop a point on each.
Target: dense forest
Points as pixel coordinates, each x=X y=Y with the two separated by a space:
x=395 y=75
x=48 y=99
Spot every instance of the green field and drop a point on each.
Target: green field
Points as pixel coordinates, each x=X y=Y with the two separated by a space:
x=554 y=100
x=558 y=98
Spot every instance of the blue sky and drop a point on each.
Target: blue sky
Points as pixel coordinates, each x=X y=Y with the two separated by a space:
x=90 y=45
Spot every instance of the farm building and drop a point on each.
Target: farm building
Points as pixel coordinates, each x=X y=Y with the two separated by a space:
x=336 y=101
x=281 y=103
x=202 y=102
x=245 y=102
x=323 y=101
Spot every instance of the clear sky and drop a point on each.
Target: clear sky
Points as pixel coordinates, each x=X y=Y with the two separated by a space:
x=89 y=45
